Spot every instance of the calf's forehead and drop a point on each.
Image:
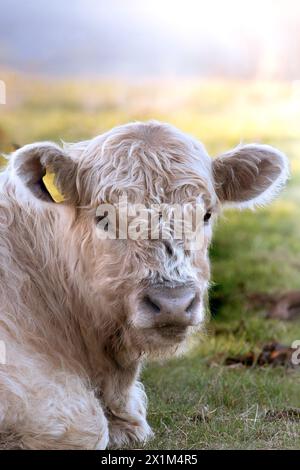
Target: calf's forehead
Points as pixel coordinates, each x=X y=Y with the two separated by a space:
x=146 y=159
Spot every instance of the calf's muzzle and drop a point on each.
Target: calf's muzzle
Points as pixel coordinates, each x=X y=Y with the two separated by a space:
x=172 y=306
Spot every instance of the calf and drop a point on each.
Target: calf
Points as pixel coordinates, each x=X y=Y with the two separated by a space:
x=81 y=307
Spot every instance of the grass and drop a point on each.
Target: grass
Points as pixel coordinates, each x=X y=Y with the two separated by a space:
x=194 y=401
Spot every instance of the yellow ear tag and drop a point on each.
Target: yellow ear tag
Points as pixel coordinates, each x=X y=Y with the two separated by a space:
x=54 y=192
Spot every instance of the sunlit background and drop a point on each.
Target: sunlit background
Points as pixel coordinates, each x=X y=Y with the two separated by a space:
x=135 y=38
x=225 y=71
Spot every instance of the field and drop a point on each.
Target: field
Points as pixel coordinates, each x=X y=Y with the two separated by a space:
x=195 y=401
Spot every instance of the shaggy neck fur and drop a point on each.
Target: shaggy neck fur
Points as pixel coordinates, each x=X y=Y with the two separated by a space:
x=44 y=298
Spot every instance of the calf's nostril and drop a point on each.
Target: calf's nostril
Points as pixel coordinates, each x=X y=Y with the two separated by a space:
x=150 y=304
x=193 y=303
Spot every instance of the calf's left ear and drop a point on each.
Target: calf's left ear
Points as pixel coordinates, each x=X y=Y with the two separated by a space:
x=250 y=175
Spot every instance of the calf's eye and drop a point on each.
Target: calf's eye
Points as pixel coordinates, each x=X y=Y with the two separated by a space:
x=207 y=216
x=99 y=219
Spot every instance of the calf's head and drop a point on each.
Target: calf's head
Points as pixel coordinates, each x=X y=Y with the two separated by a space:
x=152 y=287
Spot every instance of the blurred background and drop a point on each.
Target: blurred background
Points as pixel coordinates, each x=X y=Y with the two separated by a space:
x=226 y=72
x=158 y=38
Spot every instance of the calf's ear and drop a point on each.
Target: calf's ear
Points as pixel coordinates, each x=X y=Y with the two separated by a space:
x=250 y=175
x=31 y=163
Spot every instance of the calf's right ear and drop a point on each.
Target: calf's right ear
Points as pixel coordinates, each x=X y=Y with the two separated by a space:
x=31 y=162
